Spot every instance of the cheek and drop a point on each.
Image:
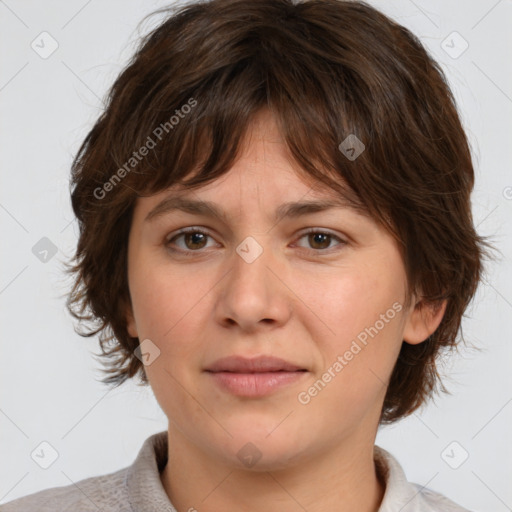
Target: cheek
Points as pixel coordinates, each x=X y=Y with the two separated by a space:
x=170 y=305
x=164 y=298
x=348 y=301
x=357 y=326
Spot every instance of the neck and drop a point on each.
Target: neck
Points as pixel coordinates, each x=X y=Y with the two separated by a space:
x=344 y=479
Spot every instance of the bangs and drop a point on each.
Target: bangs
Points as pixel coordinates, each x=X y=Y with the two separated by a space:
x=204 y=143
x=195 y=124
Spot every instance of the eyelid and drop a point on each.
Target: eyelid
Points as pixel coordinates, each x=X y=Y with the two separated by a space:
x=188 y=229
x=324 y=231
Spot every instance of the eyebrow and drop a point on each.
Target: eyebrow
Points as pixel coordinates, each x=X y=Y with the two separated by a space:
x=210 y=209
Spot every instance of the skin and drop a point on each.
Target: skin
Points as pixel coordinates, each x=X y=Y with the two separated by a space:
x=293 y=301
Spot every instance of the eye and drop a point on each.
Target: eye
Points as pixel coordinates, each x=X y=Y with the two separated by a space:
x=320 y=240
x=193 y=238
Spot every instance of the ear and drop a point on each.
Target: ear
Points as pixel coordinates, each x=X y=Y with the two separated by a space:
x=423 y=320
x=131 y=326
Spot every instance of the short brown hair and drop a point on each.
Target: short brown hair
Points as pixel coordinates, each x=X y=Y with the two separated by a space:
x=326 y=69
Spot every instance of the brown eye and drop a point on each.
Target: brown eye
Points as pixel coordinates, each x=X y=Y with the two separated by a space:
x=191 y=240
x=195 y=240
x=319 y=240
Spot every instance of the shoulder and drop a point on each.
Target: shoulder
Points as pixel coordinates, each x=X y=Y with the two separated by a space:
x=106 y=493
x=131 y=488
x=400 y=494
x=435 y=502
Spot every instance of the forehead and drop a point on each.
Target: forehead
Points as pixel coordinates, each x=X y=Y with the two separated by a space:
x=264 y=174
x=223 y=200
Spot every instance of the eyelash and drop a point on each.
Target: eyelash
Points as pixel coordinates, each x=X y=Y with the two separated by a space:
x=189 y=252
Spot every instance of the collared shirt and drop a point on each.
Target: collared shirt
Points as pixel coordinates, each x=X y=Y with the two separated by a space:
x=138 y=488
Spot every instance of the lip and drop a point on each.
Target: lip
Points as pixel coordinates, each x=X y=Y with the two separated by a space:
x=254 y=377
x=240 y=364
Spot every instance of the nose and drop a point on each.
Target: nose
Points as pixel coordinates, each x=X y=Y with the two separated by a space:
x=252 y=296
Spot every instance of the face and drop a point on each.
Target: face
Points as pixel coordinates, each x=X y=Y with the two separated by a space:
x=324 y=291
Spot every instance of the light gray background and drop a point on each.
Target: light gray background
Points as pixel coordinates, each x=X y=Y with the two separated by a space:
x=50 y=389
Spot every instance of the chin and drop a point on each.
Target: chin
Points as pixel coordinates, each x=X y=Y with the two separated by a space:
x=255 y=450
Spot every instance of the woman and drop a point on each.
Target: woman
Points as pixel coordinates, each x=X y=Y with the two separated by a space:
x=276 y=229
